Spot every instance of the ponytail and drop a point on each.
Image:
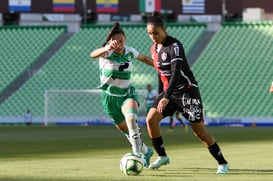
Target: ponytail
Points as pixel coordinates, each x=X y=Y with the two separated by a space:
x=115 y=30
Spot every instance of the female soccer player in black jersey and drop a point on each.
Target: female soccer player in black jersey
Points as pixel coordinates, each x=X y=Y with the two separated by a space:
x=179 y=91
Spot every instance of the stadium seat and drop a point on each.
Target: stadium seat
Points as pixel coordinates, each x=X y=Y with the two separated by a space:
x=236 y=66
x=20 y=47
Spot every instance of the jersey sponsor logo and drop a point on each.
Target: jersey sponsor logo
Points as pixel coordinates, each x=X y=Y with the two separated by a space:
x=192 y=108
x=123 y=66
x=190 y=101
x=164 y=56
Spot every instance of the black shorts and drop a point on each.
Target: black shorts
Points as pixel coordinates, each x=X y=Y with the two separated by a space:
x=187 y=101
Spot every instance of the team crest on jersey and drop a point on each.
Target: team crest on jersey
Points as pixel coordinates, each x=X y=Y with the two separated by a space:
x=129 y=57
x=164 y=56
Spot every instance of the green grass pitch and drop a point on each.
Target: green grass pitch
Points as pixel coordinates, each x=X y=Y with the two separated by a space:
x=69 y=153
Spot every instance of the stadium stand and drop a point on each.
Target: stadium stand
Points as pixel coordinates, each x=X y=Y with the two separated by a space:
x=235 y=70
x=71 y=68
x=21 y=46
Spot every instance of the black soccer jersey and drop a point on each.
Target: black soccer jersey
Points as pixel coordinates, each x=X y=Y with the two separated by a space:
x=172 y=66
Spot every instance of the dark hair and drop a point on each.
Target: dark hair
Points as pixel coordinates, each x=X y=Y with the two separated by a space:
x=155 y=19
x=115 y=30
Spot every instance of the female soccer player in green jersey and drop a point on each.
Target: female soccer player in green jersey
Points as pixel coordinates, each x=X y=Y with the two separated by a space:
x=119 y=98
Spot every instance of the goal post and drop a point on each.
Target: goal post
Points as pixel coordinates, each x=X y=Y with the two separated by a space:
x=80 y=107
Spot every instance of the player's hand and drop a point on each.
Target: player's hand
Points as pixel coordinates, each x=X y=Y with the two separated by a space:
x=112 y=45
x=162 y=104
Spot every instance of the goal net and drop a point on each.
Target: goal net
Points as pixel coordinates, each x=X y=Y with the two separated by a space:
x=80 y=107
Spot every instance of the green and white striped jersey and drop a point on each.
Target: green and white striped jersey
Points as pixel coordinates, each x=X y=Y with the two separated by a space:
x=115 y=71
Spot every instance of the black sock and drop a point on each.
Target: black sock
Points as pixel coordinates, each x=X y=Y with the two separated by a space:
x=217 y=154
x=159 y=146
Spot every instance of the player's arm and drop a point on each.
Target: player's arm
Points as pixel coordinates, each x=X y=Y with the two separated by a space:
x=101 y=51
x=164 y=101
x=176 y=56
x=160 y=85
x=176 y=63
x=145 y=59
x=98 y=52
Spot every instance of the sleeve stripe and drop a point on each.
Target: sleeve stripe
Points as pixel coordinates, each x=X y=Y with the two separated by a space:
x=176 y=59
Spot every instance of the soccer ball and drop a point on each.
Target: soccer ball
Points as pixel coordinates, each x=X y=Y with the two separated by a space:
x=131 y=164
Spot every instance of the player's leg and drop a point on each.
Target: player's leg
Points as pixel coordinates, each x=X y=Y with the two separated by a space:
x=153 y=119
x=122 y=127
x=129 y=110
x=210 y=143
x=194 y=113
x=201 y=133
x=112 y=106
x=153 y=127
x=148 y=152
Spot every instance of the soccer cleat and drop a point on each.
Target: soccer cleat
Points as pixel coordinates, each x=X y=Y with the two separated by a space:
x=222 y=169
x=161 y=160
x=142 y=157
x=148 y=156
